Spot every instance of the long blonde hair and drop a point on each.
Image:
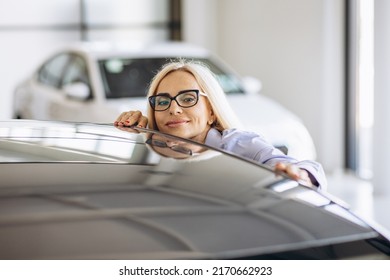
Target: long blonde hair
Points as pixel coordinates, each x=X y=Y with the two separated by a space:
x=225 y=116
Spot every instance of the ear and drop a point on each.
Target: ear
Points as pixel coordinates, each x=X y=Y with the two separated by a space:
x=212 y=118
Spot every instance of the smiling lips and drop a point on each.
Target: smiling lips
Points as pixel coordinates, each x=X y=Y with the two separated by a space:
x=176 y=123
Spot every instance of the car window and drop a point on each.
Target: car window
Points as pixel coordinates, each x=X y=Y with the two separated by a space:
x=51 y=72
x=229 y=82
x=76 y=71
x=123 y=77
x=127 y=77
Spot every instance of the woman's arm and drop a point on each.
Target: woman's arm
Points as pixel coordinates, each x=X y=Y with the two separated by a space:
x=253 y=146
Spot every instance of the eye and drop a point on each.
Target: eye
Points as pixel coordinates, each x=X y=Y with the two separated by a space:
x=162 y=101
x=188 y=98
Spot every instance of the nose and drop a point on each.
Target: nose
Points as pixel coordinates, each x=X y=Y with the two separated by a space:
x=174 y=108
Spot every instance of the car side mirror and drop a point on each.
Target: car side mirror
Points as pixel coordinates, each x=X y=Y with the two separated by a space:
x=77 y=90
x=251 y=84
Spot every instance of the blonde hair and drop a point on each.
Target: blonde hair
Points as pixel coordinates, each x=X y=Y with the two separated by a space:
x=208 y=83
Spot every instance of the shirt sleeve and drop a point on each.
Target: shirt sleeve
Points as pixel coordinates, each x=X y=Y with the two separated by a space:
x=253 y=146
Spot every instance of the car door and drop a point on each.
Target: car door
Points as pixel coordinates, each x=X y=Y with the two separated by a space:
x=73 y=105
x=43 y=90
x=50 y=96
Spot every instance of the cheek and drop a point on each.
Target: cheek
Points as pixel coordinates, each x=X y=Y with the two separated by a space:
x=158 y=119
x=207 y=113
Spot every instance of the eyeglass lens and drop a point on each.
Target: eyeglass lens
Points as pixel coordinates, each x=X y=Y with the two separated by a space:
x=183 y=99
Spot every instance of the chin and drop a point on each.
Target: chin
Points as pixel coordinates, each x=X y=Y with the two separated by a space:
x=180 y=132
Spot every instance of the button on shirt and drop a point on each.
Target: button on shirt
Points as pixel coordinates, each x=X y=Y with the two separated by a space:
x=253 y=146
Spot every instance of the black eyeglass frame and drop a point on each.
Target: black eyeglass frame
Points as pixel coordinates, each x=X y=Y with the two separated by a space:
x=152 y=99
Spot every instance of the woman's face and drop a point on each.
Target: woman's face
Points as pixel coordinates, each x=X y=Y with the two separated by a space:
x=190 y=123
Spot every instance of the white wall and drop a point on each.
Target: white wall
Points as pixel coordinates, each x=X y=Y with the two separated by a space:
x=31 y=30
x=28 y=32
x=381 y=139
x=294 y=47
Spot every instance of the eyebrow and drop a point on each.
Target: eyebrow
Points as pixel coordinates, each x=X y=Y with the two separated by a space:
x=179 y=92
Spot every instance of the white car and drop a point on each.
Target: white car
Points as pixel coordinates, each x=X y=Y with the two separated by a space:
x=96 y=81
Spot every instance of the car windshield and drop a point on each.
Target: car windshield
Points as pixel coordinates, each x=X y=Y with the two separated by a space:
x=125 y=77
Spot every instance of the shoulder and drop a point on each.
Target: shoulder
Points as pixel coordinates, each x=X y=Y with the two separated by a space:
x=228 y=139
x=242 y=137
x=240 y=134
x=215 y=135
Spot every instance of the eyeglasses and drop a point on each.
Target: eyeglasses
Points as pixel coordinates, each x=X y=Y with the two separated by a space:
x=185 y=99
x=163 y=144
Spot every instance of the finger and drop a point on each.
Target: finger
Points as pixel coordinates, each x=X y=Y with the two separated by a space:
x=280 y=166
x=123 y=117
x=119 y=118
x=133 y=118
x=305 y=178
x=293 y=171
x=128 y=118
x=143 y=122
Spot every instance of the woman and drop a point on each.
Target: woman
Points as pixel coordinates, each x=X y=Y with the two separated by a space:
x=186 y=100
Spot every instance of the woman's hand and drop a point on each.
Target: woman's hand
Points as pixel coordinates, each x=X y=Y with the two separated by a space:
x=131 y=118
x=294 y=172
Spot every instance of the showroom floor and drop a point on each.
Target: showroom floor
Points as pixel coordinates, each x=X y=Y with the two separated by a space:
x=360 y=197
